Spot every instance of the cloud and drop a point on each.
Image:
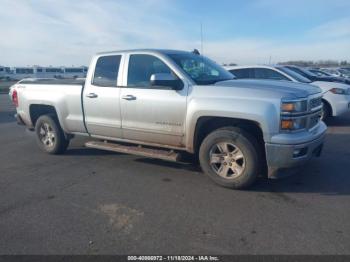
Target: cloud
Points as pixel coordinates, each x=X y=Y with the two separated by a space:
x=301 y=8
x=69 y=32
x=258 y=51
x=61 y=32
x=333 y=29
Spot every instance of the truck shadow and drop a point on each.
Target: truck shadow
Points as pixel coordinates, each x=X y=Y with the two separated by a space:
x=327 y=175
x=186 y=165
x=84 y=151
x=339 y=121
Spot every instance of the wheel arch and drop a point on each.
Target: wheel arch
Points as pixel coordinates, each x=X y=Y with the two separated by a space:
x=207 y=124
x=38 y=110
x=328 y=104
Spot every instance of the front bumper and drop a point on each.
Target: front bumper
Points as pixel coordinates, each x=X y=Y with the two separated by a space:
x=283 y=159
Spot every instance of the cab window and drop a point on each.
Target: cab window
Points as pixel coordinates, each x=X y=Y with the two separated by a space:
x=106 y=71
x=142 y=67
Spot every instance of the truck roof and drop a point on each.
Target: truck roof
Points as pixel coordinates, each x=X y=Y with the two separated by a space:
x=150 y=50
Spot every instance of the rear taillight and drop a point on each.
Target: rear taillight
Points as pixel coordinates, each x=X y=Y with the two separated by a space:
x=15 y=98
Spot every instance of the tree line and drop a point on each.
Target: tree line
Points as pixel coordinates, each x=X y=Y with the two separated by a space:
x=304 y=63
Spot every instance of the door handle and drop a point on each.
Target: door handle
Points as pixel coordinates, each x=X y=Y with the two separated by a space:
x=92 y=95
x=129 y=97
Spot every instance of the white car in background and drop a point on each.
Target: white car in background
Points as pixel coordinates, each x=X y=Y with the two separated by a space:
x=336 y=96
x=332 y=71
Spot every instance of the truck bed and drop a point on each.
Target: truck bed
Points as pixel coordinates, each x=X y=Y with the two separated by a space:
x=64 y=95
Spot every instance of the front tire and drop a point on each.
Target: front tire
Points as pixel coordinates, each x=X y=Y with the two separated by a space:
x=326 y=112
x=50 y=136
x=229 y=157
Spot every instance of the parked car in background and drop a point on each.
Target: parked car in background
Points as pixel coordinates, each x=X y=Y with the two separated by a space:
x=318 y=72
x=160 y=103
x=313 y=77
x=345 y=72
x=345 y=69
x=336 y=96
x=332 y=71
x=322 y=72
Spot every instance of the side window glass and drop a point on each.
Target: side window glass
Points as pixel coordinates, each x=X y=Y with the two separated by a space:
x=264 y=73
x=240 y=73
x=142 y=67
x=106 y=71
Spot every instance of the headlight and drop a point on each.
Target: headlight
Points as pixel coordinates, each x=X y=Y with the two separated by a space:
x=293 y=124
x=340 y=91
x=294 y=106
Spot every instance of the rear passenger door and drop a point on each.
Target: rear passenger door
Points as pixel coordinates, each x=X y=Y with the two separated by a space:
x=101 y=97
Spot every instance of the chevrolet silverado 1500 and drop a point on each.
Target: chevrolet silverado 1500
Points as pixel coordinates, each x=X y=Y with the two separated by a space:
x=159 y=103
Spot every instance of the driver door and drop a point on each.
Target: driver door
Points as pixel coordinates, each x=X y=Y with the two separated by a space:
x=151 y=114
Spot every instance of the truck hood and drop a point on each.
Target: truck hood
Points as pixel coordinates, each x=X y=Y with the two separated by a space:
x=283 y=89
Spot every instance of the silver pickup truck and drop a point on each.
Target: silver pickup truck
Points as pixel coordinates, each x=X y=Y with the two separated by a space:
x=160 y=103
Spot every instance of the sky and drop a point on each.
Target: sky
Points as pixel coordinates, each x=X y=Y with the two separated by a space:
x=67 y=32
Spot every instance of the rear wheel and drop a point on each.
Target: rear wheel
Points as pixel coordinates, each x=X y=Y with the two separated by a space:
x=50 y=136
x=229 y=157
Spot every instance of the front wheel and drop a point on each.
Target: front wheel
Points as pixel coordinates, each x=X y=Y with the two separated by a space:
x=229 y=157
x=50 y=136
x=326 y=112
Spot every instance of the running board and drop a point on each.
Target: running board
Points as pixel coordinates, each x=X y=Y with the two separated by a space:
x=168 y=155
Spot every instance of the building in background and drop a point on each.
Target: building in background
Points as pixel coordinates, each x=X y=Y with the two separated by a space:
x=36 y=71
x=4 y=71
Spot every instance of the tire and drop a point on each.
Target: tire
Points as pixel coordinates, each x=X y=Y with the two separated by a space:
x=326 y=111
x=50 y=136
x=241 y=157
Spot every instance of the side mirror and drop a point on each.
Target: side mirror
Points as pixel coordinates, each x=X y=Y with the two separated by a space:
x=166 y=80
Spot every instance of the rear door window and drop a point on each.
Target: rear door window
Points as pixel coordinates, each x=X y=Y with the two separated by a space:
x=106 y=71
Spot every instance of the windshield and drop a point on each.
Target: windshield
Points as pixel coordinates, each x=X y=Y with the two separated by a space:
x=200 y=69
x=295 y=75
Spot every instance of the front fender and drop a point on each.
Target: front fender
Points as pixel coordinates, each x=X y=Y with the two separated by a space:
x=264 y=113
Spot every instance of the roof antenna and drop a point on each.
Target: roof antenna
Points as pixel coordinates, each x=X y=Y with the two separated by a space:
x=196 y=52
x=201 y=38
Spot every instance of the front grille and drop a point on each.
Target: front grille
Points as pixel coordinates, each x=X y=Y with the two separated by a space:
x=315 y=102
x=314 y=119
